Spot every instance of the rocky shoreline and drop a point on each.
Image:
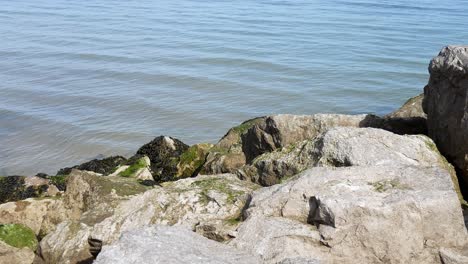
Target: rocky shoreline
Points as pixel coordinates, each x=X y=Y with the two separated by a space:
x=289 y=189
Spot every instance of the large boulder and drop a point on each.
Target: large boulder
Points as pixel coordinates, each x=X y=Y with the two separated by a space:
x=242 y=144
x=102 y=208
x=164 y=153
x=344 y=147
x=446 y=105
x=40 y=215
x=173 y=245
x=388 y=213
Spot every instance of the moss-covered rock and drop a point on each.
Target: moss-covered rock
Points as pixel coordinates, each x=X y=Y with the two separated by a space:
x=18 y=236
x=164 y=154
x=139 y=168
x=14 y=188
x=192 y=160
x=102 y=166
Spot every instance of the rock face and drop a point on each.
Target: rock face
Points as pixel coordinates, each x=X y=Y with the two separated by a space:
x=360 y=214
x=164 y=153
x=174 y=245
x=242 y=144
x=446 y=105
x=40 y=215
x=344 y=147
x=102 y=166
x=102 y=208
x=9 y=254
x=137 y=167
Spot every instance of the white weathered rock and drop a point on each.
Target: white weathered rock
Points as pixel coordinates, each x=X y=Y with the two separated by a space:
x=360 y=214
x=41 y=215
x=175 y=245
x=342 y=147
x=450 y=256
x=103 y=211
x=9 y=254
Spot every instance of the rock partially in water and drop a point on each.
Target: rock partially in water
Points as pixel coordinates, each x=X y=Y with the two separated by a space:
x=173 y=245
x=164 y=153
x=409 y=119
x=102 y=166
x=390 y=213
x=446 y=105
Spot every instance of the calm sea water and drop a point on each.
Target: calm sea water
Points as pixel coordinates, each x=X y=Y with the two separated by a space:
x=80 y=79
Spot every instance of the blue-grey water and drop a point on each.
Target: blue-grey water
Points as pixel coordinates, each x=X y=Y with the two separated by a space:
x=80 y=79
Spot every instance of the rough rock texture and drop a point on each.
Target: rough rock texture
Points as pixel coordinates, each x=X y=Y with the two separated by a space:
x=9 y=254
x=164 y=154
x=242 y=144
x=361 y=214
x=450 y=256
x=14 y=188
x=173 y=245
x=192 y=160
x=41 y=215
x=102 y=166
x=138 y=168
x=446 y=105
x=409 y=119
x=104 y=207
x=343 y=147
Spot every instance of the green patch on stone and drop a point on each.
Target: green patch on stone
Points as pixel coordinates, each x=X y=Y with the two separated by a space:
x=134 y=168
x=233 y=221
x=60 y=181
x=216 y=184
x=385 y=185
x=242 y=128
x=192 y=160
x=121 y=185
x=18 y=236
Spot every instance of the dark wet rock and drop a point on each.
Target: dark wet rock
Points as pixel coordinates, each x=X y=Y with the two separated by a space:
x=446 y=105
x=103 y=166
x=409 y=119
x=164 y=153
x=14 y=188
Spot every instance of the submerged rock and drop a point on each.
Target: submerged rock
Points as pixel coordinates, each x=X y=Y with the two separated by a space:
x=164 y=154
x=102 y=166
x=446 y=105
x=174 y=245
x=392 y=213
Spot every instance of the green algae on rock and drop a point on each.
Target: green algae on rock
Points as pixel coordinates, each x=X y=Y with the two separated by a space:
x=18 y=236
